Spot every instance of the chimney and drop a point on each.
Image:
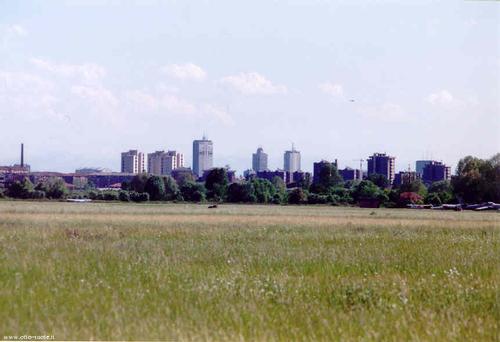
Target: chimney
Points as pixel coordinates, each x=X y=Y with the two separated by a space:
x=22 y=155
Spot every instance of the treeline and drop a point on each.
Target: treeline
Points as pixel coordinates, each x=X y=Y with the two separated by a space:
x=476 y=180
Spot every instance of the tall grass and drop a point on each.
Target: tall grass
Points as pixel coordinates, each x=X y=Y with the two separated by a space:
x=157 y=272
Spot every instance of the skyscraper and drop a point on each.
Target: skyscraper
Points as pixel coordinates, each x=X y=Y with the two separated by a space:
x=163 y=163
x=382 y=164
x=292 y=160
x=259 y=160
x=132 y=162
x=420 y=164
x=202 y=156
x=436 y=171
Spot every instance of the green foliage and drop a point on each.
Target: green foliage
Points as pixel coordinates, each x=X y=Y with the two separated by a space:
x=379 y=180
x=318 y=199
x=193 y=191
x=216 y=184
x=139 y=196
x=110 y=196
x=241 y=193
x=477 y=180
x=124 y=196
x=155 y=187
x=138 y=183
x=297 y=196
x=281 y=195
x=21 y=189
x=442 y=190
x=414 y=186
x=367 y=190
x=171 y=188
x=433 y=198
x=53 y=188
x=328 y=177
x=264 y=190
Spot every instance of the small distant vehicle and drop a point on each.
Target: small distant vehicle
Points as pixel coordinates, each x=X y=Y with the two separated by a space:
x=78 y=200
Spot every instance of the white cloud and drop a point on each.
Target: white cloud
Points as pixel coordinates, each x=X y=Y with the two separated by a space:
x=177 y=105
x=188 y=71
x=17 y=30
x=142 y=99
x=218 y=114
x=387 y=112
x=88 y=72
x=441 y=98
x=332 y=89
x=252 y=83
x=97 y=95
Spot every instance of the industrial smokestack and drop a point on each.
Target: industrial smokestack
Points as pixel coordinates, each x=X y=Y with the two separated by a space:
x=22 y=155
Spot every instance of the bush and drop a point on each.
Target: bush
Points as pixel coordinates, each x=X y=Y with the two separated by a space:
x=297 y=196
x=433 y=198
x=110 y=196
x=124 y=196
x=193 y=192
x=317 y=199
x=139 y=196
x=38 y=194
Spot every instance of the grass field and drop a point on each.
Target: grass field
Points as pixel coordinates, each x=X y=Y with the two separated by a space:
x=157 y=272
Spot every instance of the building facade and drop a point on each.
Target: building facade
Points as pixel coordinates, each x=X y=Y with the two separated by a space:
x=420 y=164
x=382 y=164
x=163 y=163
x=436 y=171
x=203 y=153
x=350 y=174
x=132 y=162
x=269 y=175
x=292 y=160
x=405 y=177
x=259 y=160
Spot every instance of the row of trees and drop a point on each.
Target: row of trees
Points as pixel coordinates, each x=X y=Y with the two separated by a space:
x=476 y=180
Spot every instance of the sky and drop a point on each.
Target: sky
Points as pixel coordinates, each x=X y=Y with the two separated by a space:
x=82 y=81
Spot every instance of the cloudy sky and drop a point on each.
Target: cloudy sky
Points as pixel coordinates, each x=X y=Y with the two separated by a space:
x=81 y=81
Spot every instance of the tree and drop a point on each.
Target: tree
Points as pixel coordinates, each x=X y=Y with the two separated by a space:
x=441 y=190
x=171 y=188
x=365 y=190
x=280 y=196
x=477 y=180
x=53 y=188
x=433 y=198
x=328 y=176
x=124 y=196
x=192 y=191
x=409 y=198
x=21 y=189
x=414 y=186
x=138 y=183
x=379 y=180
x=139 y=196
x=155 y=188
x=216 y=183
x=264 y=190
x=297 y=196
x=241 y=193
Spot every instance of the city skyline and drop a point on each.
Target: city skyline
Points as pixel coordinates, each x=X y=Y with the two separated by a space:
x=421 y=86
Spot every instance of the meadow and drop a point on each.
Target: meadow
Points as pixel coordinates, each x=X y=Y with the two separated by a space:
x=114 y=271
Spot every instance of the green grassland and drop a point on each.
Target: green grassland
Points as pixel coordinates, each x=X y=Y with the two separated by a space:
x=185 y=272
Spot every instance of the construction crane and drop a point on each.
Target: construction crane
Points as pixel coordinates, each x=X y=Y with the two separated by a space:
x=360 y=167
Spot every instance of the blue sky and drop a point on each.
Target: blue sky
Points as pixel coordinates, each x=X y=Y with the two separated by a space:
x=81 y=81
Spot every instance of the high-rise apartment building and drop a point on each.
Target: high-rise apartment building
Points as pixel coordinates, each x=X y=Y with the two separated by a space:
x=436 y=171
x=382 y=164
x=203 y=154
x=420 y=164
x=259 y=160
x=292 y=160
x=132 y=162
x=163 y=163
